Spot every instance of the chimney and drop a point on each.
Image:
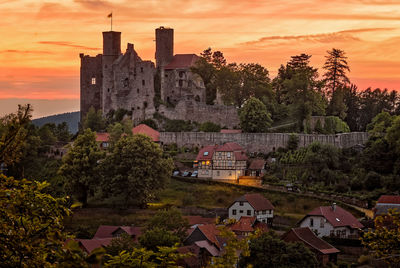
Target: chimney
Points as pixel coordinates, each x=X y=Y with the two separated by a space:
x=333 y=206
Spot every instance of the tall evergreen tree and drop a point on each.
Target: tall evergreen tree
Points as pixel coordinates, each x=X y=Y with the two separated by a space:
x=336 y=67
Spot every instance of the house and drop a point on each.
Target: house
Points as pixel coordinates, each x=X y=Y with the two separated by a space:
x=146 y=130
x=323 y=251
x=332 y=221
x=248 y=225
x=106 y=233
x=103 y=139
x=252 y=205
x=257 y=167
x=221 y=162
x=209 y=234
x=386 y=202
x=195 y=221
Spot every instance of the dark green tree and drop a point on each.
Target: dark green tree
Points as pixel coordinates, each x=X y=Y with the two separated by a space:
x=254 y=116
x=94 y=120
x=336 y=67
x=170 y=220
x=80 y=166
x=135 y=170
x=268 y=250
x=209 y=127
x=153 y=238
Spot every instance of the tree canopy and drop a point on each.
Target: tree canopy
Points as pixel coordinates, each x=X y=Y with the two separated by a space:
x=254 y=116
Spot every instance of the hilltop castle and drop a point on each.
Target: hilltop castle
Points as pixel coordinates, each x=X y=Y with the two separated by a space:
x=114 y=80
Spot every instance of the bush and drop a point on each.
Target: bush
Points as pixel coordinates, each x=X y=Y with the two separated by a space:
x=293 y=142
x=178 y=126
x=209 y=127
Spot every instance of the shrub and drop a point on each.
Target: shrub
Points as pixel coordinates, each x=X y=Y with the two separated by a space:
x=209 y=127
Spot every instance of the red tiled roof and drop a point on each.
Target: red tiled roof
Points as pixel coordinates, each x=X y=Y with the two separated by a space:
x=231 y=131
x=145 y=129
x=389 y=199
x=257 y=201
x=102 y=137
x=210 y=151
x=229 y=147
x=182 y=61
x=244 y=224
x=208 y=246
x=211 y=232
x=91 y=244
x=106 y=231
x=338 y=217
x=257 y=164
x=240 y=156
x=199 y=220
x=307 y=236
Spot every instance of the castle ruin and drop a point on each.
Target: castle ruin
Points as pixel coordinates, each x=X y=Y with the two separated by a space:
x=115 y=80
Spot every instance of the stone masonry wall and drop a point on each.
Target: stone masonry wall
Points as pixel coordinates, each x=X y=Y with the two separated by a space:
x=260 y=142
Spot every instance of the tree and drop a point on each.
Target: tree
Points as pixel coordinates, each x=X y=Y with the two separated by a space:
x=135 y=170
x=337 y=106
x=153 y=238
x=13 y=133
x=336 y=67
x=380 y=123
x=119 y=244
x=384 y=240
x=32 y=224
x=80 y=166
x=254 y=116
x=268 y=250
x=94 y=120
x=209 y=127
x=170 y=220
x=393 y=135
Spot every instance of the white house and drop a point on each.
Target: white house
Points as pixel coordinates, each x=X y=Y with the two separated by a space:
x=332 y=221
x=252 y=205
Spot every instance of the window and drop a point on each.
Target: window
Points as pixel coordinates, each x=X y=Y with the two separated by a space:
x=93 y=80
x=343 y=233
x=322 y=223
x=248 y=212
x=233 y=211
x=228 y=154
x=229 y=163
x=338 y=233
x=332 y=233
x=181 y=74
x=143 y=82
x=205 y=153
x=138 y=90
x=141 y=69
x=264 y=212
x=217 y=172
x=311 y=222
x=241 y=211
x=240 y=203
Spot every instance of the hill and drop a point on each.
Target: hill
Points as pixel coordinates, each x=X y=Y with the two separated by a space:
x=72 y=119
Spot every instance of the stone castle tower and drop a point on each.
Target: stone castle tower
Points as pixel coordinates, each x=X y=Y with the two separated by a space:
x=115 y=80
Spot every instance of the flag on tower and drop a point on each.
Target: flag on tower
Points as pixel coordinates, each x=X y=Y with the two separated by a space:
x=109 y=15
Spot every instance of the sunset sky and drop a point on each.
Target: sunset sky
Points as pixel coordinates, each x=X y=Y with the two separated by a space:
x=41 y=40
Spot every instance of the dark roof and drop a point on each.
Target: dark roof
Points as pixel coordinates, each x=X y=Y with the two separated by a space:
x=211 y=232
x=337 y=217
x=381 y=209
x=145 y=129
x=106 y=231
x=389 y=199
x=257 y=201
x=307 y=236
x=229 y=147
x=248 y=224
x=257 y=164
x=182 y=61
x=91 y=244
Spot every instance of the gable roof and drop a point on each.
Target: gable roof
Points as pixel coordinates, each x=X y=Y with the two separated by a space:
x=199 y=220
x=209 y=150
x=231 y=131
x=107 y=231
x=257 y=201
x=227 y=147
x=307 y=236
x=211 y=232
x=182 y=61
x=257 y=164
x=337 y=217
x=102 y=136
x=389 y=199
x=240 y=156
x=145 y=129
x=91 y=244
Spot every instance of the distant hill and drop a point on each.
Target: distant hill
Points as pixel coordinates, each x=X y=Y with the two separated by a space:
x=72 y=120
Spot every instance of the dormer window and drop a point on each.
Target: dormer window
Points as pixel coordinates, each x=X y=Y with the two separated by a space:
x=93 y=80
x=337 y=219
x=205 y=153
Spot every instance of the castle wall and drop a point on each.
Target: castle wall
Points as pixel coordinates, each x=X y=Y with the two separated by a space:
x=225 y=116
x=260 y=142
x=91 y=83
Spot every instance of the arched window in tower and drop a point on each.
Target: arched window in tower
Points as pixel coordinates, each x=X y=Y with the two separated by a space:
x=126 y=82
x=143 y=82
x=93 y=80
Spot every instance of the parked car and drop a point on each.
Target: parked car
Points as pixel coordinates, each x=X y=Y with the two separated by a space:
x=176 y=173
x=194 y=174
x=186 y=174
